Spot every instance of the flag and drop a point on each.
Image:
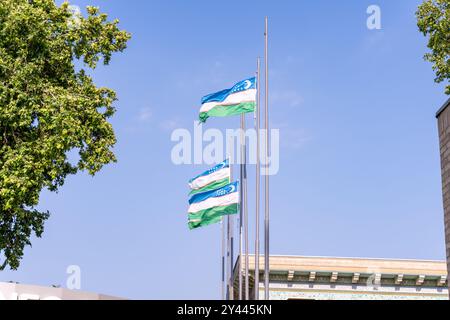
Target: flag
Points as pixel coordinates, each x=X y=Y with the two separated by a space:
x=208 y=207
x=214 y=178
x=241 y=98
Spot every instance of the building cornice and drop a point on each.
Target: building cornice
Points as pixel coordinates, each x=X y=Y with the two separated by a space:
x=395 y=272
x=446 y=104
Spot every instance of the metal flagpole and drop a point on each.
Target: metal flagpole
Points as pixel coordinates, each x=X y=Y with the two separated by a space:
x=266 y=185
x=222 y=229
x=225 y=237
x=247 y=284
x=228 y=256
x=231 y=258
x=257 y=125
x=242 y=203
x=230 y=244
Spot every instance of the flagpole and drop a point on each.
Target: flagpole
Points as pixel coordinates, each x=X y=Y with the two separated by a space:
x=242 y=202
x=225 y=238
x=230 y=246
x=222 y=229
x=266 y=185
x=247 y=282
x=228 y=258
x=257 y=125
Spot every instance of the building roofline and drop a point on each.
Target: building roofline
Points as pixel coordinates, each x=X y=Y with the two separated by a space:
x=394 y=266
x=304 y=270
x=44 y=292
x=354 y=258
x=446 y=104
x=358 y=265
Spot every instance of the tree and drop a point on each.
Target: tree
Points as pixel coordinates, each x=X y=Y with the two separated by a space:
x=434 y=21
x=48 y=107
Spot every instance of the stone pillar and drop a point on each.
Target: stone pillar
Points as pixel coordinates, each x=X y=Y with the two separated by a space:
x=443 y=116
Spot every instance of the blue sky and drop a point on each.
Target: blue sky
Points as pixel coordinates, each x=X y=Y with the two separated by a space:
x=359 y=165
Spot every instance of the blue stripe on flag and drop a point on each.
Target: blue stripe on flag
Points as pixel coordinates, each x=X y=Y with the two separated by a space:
x=224 y=164
x=229 y=188
x=222 y=95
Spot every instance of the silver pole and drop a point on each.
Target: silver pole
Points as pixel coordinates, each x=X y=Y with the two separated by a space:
x=247 y=282
x=257 y=125
x=266 y=207
x=228 y=257
x=222 y=229
x=230 y=248
x=231 y=258
x=242 y=203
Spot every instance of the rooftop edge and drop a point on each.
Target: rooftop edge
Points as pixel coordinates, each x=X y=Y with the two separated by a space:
x=446 y=104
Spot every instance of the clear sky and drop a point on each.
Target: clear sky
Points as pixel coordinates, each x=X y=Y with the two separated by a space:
x=359 y=168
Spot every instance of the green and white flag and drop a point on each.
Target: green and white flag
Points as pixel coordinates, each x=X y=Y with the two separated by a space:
x=209 y=207
x=214 y=178
x=241 y=98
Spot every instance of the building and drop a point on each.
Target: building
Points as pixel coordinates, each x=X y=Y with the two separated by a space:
x=443 y=116
x=320 y=278
x=15 y=291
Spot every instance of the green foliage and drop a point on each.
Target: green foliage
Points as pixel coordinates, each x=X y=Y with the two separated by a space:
x=434 y=21
x=48 y=108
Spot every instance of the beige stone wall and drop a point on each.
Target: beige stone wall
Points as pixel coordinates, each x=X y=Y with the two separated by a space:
x=444 y=143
